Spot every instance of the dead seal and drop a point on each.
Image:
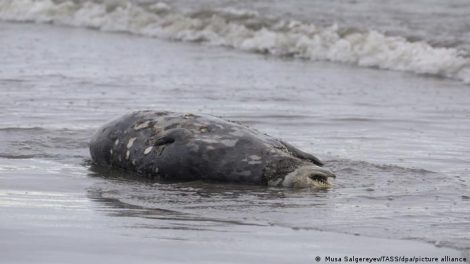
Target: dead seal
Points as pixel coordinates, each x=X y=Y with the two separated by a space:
x=176 y=146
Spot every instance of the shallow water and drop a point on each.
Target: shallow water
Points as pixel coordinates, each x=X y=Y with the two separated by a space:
x=398 y=142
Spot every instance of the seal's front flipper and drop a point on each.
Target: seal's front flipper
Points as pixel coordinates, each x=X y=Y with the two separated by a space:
x=164 y=140
x=172 y=136
x=302 y=155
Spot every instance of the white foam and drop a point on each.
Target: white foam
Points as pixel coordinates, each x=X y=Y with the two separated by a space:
x=246 y=30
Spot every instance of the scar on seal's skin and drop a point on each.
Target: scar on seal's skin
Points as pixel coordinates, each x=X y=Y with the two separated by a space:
x=147 y=150
x=131 y=142
x=142 y=125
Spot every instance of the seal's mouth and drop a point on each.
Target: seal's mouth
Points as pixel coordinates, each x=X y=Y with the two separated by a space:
x=321 y=180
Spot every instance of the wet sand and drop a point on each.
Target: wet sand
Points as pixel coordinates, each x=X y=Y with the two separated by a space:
x=58 y=216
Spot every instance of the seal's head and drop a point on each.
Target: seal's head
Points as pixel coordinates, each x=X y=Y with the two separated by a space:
x=306 y=176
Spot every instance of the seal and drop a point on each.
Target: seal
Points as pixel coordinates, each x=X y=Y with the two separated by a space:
x=185 y=147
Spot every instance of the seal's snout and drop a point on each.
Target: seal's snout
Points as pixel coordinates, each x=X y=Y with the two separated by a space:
x=309 y=176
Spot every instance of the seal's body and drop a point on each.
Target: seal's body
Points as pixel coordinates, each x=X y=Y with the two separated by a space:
x=175 y=146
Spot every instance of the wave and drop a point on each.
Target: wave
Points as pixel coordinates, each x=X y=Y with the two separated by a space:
x=248 y=31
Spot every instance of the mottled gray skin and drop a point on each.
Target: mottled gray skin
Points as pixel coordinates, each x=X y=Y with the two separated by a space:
x=175 y=146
